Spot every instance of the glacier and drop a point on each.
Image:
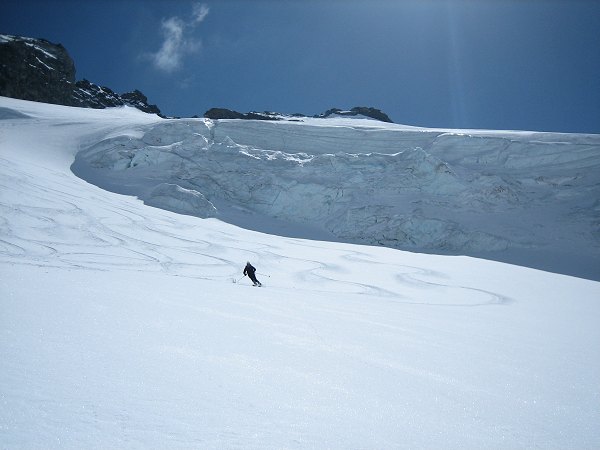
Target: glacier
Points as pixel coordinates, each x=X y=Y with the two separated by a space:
x=121 y=326
x=528 y=198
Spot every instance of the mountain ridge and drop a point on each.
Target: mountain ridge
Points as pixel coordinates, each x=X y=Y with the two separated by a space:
x=357 y=111
x=41 y=71
x=38 y=70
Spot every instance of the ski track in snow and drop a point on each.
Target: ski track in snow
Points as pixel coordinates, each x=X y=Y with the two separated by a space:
x=124 y=238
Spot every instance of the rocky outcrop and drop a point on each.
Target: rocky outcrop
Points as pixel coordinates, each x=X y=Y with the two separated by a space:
x=35 y=69
x=365 y=111
x=223 y=113
x=140 y=101
x=38 y=70
x=90 y=95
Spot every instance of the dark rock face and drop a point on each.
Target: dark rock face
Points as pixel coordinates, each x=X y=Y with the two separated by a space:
x=359 y=110
x=90 y=95
x=222 y=113
x=38 y=70
x=140 y=101
x=35 y=69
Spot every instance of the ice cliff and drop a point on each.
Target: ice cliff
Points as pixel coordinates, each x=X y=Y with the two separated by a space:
x=522 y=197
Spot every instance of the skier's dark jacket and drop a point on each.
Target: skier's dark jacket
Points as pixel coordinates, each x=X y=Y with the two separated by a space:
x=249 y=270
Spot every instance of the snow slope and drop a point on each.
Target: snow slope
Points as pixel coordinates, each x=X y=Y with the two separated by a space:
x=120 y=326
x=527 y=198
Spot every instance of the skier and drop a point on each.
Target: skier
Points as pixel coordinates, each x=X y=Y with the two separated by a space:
x=250 y=270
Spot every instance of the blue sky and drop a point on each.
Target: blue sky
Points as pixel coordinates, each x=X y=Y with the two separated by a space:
x=498 y=64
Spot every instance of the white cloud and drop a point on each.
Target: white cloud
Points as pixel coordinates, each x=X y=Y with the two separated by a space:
x=200 y=11
x=178 y=41
x=168 y=58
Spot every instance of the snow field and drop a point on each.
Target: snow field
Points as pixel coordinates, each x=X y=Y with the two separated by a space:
x=120 y=326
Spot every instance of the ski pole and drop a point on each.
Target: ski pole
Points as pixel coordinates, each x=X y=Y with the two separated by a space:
x=264 y=275
x=237 y=281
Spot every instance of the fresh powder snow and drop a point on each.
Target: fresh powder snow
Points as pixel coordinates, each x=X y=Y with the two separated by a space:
x=123 y=324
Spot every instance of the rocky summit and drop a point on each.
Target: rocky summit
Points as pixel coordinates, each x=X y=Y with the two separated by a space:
x=364 y=111
x=41 y=71
x=357 y=111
